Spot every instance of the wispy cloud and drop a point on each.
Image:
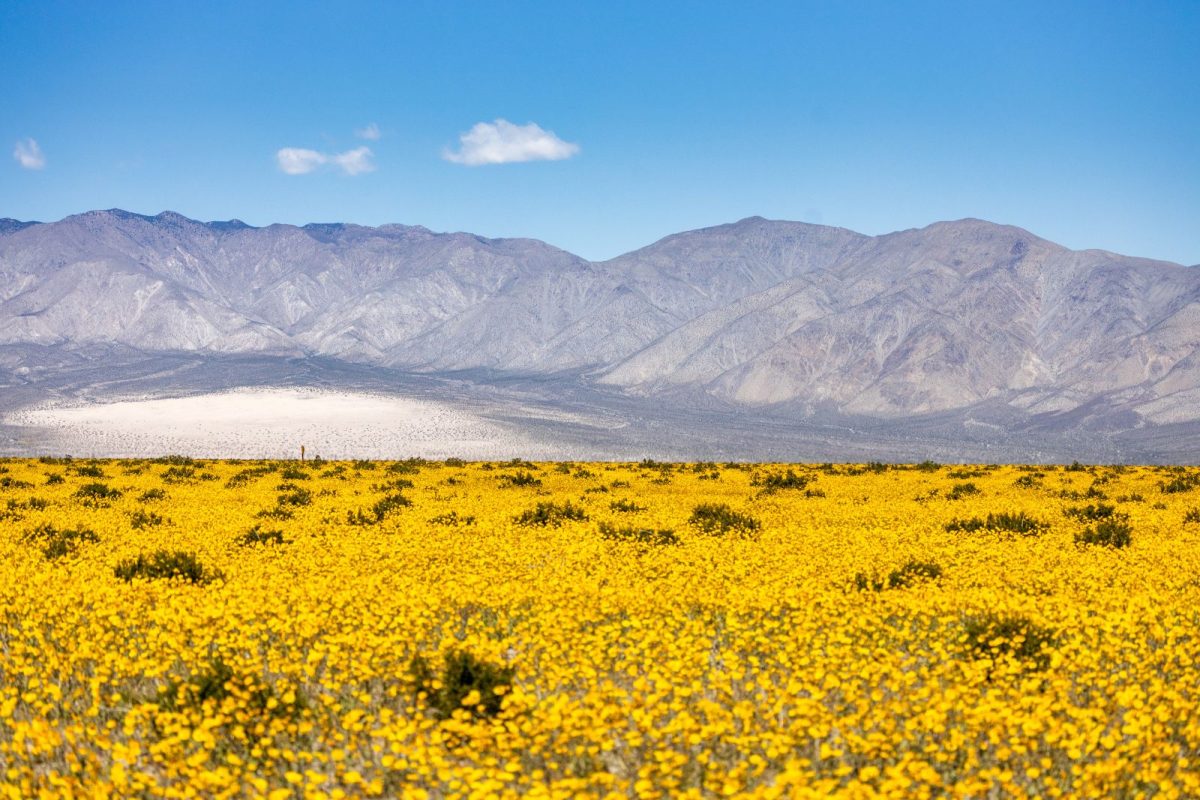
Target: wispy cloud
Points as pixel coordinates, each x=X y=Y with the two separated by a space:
x=29 y=155
x=502 y=142
x=299 y=161
x=371 y=133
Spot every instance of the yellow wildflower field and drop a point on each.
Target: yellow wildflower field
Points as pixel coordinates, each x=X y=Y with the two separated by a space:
x=180 y=628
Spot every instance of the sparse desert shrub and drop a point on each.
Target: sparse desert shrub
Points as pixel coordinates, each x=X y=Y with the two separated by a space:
x=1114 y=533
x=965 y=474
x=625 y=506
x=142 y=519
x=464 y=682
x=1027 y=482
x=961 y=490
x=89 y=471
x=717 y=519
x=58 y=543
x=151 y=495
x=1092 y=512
x=454 y=462
x=631 y=533
x=551 y=514
x=96 y=493
x=12 y=483
x=54 y=477
x=994 y=635
x=910 y=573
x=257 y=535
x=521 y=478
x=1179 y=484
x=294 y=474
x=167 y=565
x=295 y=497
x=379 y=510
x=928 y=465
x=788 y=480
x=216 y=681
x=1018 y=522
x=1192 y=516
x=452 y=518
x=1075 y=466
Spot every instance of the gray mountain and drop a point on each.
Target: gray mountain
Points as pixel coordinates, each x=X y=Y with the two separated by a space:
x=756 y=317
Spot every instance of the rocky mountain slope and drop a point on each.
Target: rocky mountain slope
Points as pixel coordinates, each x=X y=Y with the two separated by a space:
x=778 y=317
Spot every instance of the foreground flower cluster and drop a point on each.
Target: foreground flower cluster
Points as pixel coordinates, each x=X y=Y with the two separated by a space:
x=176 y=628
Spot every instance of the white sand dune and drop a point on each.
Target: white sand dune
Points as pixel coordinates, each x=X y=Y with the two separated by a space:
x=273 y=423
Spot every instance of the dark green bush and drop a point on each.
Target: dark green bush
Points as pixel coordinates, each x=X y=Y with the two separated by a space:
x=625 y=506
x=961 y=490
x=1181 y=483
x=461 y=674
x=1192 y=516
x=716 y=519
x=89 y=471
x=58 y=543
x=294 y=474
x=257 y=535
x=992 y=635
x=1027 y=482
x=964 y=474
x=452 y=518
x=910 y=573
x=1018 y=522
x=142 y=519
x=379 y=510
x=788 y=480
x=454 y=462
x=217 y=681
x=551 y=514
x=296 y=497
x=167 y=564
x=152 y=494
x=1092 y=512
x=520 y=479
x=927 y=465
x=630 y=533
x=96 y=493
x=54 y=477
x=1107 y=533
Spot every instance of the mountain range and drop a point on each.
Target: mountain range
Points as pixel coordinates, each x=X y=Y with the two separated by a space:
x=783 y=320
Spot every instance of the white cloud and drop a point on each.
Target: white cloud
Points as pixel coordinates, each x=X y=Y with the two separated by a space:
x=299 y=161
x=502 y=142
x=371 y=133
x=29 y=155
x=354 y=162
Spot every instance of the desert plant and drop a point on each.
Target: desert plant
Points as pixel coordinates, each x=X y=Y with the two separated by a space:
x=717 y=519
x=551 y=514
x=1114 y=533
x=630 y=533
x=96 y=494
x=168 y=565
x=994 y=635
x=58 y=543
x=257 y=535
x=1018 y=522
x=464 y=682
x=625 y=506
x=961 y=490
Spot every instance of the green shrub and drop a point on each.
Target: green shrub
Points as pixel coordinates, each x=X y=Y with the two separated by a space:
x=379 y=510
x=520 y=479
x=992 y=635
x=58 y=543
x=54 y=477
x=294 y=474
x=141 y=519
x=167 y=564
x=152 y=494
x=257 y=535
x=910 y=573
x=788 y=480
x=89 y=471
x=454 y=462
x=96 y=493
x=1092 y=512
x=462 y=674
x=717 y=519
x=927 y=465
x=625 y=506
x=1018 y=522
x=1192 y=516
x=630 y=533
x=217 y=681
x=296 y=497
x=1027 y=482
x=551 y=514
x=964 y=474
x=1182 y=483
x=452 y=518
x=1107 y=533
x=961 y=490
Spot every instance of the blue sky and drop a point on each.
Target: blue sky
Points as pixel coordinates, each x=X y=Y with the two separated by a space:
x=1078 y=121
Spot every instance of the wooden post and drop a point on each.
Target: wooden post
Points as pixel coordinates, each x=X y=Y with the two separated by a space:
x=301 y=452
